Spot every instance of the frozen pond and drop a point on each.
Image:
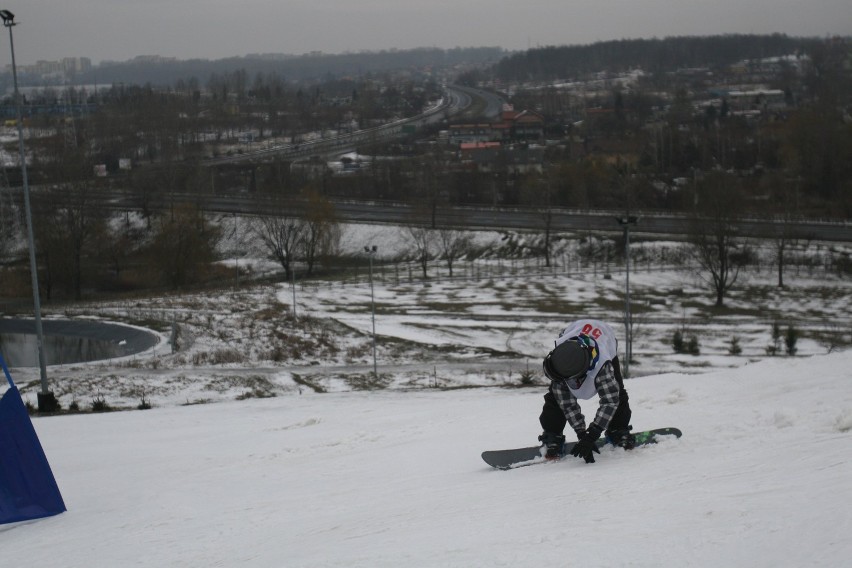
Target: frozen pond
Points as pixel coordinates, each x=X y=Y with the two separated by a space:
x=67 y=341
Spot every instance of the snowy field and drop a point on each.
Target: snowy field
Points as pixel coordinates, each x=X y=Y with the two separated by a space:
x=761 y=477
x=307 y=460
x=490 y=325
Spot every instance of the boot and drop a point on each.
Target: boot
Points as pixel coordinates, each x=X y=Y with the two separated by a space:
x=553 y=442
x=622 y=438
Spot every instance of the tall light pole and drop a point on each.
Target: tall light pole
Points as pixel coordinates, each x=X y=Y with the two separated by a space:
x=46 y=399
x=625 y=222
x=371 y=252
x=293 y=286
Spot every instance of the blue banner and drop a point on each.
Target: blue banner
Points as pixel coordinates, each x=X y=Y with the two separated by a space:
x=28 y=489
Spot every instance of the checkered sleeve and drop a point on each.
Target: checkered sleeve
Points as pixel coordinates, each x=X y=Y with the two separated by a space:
x=569 y=405
x=608 y=392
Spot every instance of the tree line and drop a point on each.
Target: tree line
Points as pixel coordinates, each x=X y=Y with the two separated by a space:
x=783 y=165
x=84 y=248
x=304 y=69
x=657 y=55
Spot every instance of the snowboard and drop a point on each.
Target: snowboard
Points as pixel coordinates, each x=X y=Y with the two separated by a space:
x=519 y=457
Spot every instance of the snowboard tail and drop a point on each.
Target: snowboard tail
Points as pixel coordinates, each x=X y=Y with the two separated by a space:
x=519 y=457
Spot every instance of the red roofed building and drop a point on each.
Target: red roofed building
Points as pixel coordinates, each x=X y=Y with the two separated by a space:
x=513 y=126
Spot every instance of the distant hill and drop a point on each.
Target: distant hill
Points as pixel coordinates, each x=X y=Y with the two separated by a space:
x=309 y=67
x=651 y=55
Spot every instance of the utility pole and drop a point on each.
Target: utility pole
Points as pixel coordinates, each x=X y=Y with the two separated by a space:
x=46 y=399
x=371 y=252
x=625 y=222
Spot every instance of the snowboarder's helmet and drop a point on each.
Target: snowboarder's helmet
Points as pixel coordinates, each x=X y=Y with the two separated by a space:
x=568 y=362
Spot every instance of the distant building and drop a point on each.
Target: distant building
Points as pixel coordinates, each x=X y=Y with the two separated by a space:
x=472 y=133
x=77 y=64
x=45 y=69
x=523 y=126
x=757 y=99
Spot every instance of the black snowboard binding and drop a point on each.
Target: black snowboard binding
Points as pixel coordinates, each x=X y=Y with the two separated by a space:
x=622 y=438
x=553 y=443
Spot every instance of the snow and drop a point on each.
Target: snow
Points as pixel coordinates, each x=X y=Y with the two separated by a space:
x=263 y=449
x=761 y=477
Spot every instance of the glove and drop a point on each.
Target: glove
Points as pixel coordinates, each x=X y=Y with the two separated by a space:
x=585 y=448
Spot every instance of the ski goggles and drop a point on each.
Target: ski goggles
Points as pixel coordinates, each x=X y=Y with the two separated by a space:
x=575 y=383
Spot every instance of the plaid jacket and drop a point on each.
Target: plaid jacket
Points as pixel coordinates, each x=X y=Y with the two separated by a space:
x=608 y=392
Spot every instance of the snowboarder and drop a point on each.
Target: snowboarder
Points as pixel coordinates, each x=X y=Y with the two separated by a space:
x=584 y=363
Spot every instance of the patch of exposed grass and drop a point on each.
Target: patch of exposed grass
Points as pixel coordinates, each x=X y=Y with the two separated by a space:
x=307 y=382
x=368 y=381
x=259 y=386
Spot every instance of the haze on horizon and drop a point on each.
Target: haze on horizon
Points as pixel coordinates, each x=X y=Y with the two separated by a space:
x=214 y=29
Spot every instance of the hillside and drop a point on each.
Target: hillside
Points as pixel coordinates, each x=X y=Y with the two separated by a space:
x=383 y=479
x=489 y=325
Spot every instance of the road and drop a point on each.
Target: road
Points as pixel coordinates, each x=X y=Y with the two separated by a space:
x=456 y=100
x=574 y=220
x=495 y=218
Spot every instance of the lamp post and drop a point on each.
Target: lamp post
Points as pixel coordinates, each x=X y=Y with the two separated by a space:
x=625 y=222
x=293 y=286
x=371 y=252
x=46 y=399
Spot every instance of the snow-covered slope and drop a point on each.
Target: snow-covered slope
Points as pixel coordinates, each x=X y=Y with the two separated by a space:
x=761 y=477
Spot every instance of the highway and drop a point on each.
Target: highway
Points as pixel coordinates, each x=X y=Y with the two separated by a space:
x=649 y=223
x=525 y=219
x=456 y=101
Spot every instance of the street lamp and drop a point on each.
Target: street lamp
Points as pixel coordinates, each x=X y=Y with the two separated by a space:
x=625 y=222
x=371 y=252
x=46 y=399
x=293 y=285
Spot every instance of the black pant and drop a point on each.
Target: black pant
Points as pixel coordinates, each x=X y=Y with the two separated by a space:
x=552 y=418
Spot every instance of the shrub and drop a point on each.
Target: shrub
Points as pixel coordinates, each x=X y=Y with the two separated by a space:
x=775 y=347
x=690 y=346
x=790 y=340
x=693 y=347
x=677 y=342
x=99 y=404
x=734 y=347
x=527 y=377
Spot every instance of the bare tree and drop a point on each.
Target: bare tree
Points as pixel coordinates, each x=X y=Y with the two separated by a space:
x=784 y=223
x=786 y=236
x=118 y=242
x=452 y=244
x=68 y=221
x=538 y=193
x=430 y=186
x=421 y=239
x=321 y=229
x=714 y=235
x=183 y=246
x=283 y=235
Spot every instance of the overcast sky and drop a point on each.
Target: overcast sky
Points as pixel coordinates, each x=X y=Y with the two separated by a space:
x=213 y=29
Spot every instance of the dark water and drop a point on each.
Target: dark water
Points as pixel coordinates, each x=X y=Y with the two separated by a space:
x=21 y=350
x=69 y=341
